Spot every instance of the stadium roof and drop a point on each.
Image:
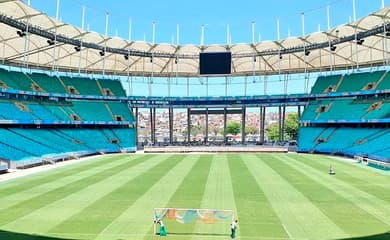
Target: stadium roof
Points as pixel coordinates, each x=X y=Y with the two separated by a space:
x=31 y=38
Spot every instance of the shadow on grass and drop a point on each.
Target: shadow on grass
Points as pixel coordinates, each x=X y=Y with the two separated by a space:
x=22 y=236
x=382 y=236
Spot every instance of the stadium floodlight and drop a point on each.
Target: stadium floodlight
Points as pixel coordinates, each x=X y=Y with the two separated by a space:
x=21 y=33
x=50 y=42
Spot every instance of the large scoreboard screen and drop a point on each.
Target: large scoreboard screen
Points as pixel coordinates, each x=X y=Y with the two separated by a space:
x=215 y=63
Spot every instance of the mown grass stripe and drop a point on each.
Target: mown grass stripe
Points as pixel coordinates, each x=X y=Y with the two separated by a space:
x=27 y=206
x=98 y=215
x=300 y=217
x=257 y=219
x=54 y=213
x=356 y=212
x=126 y=226
x=218 y=195
x=188 y=195
x=53 y=183
x=367 y=181
x=19 y=184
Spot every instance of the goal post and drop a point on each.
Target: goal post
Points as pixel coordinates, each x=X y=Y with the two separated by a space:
x=173 y=216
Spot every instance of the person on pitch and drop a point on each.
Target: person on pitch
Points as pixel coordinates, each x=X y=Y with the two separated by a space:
x=233 y=227
x=163 y=231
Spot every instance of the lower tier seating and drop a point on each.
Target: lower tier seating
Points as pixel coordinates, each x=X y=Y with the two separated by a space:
x=30 y=144
x=350 y=141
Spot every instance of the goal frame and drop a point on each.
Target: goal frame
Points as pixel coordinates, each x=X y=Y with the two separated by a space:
x=187 y=209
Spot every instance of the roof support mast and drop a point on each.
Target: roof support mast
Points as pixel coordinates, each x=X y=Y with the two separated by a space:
x=129 y=79
x=385 y=37
x=330 y=52
x=81 y=38
x=254 y=53
x=130 y=30
x=279 y=55
x=55 y=37
x=176 y=59
x=26 y=38
x=150 y=81
x=385 y=42
x=356 y=39
x=253 y=33
x=105 y=45
x=253 y=62
x=305 y=54
x=202 y=36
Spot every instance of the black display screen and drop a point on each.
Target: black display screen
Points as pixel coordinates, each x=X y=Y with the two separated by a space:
x=215 y=63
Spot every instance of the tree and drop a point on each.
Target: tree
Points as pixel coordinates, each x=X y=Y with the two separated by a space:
x=272 y=132
x=290 y=129
x=233 y=128
x=195 y=130
x=215 y=130
x=291 y=126
x=249 y=129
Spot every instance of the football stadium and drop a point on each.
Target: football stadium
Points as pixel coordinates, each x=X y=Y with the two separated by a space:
x=107 y=137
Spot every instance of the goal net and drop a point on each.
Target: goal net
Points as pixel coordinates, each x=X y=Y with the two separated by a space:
x=197 y=221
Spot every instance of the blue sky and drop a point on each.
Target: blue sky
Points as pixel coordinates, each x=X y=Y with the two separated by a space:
x=215 y=15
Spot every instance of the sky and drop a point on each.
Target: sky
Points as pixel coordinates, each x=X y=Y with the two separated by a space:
x=215 y=16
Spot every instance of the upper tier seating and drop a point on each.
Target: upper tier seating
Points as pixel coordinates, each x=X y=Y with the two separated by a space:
x=360 y=81
x=41 y=82
x=48 y=84
x=337 y=110
x=82 y=86
x=114 y=86
x=66 y=111
x=325 y=84
x=120 y=109
x=15 y=80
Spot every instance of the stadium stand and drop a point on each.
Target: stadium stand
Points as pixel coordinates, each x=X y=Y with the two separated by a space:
x=360 y=81
x=48 y=84
x=384 y=83
x=119 y=111
x=90 y=110
x=111 y=88
x=82 y=86
x=353 y=126
x=38 y=128
x=326 y=84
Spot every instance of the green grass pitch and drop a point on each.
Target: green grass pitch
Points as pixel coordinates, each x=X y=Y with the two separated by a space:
x=274 y=196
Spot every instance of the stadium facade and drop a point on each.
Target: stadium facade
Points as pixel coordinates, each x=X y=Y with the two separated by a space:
x=53 y=115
